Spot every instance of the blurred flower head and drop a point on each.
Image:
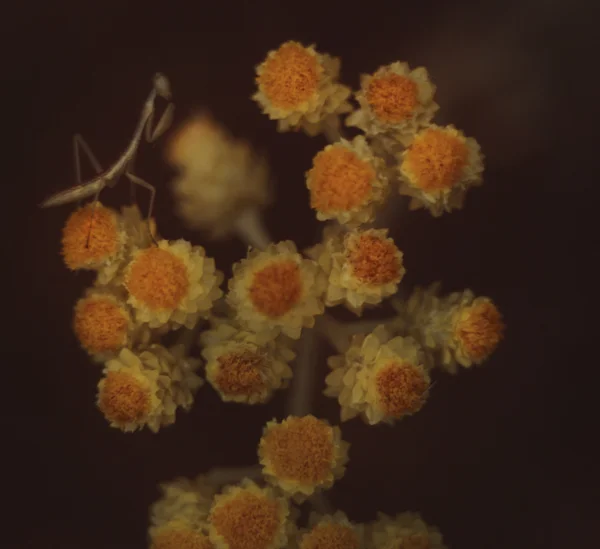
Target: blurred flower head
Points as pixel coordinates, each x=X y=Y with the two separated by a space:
x=219 y=176
x=404 y=531
x=250 y=517
x=331 y=532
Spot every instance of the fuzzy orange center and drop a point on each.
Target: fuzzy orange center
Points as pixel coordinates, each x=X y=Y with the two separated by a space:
x=290 y=76
x=392 y=97
x=123 y=399
x=241 y=373
x=247 y=521
x=300 y=449
x=374 y=260
x=435 y=160
x=401 y=388
x=90 y=237
x=330 y=536
x=100 y=324
x=339 y=180
x=276 y=288
x=180 y=538
x=158 y=279
x=480 y=329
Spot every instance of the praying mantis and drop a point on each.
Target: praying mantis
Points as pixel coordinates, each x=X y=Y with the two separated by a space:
x=110 y=177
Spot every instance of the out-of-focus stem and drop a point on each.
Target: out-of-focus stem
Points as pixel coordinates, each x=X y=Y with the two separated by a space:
x=339 y=333
x=218 y=476
x=189 y=336
x=300 y=399
x=251 y=230
x=321 y=504
x=332 y=133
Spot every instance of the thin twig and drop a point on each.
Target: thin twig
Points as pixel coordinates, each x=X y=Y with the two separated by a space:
x=219 y=476
x=300 y=399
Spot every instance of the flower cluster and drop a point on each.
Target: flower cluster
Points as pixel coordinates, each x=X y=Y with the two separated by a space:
x=252 y=335
x=263 y=513
x=145 y=287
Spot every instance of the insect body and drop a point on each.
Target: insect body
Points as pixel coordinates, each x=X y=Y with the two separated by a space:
x=110 y=177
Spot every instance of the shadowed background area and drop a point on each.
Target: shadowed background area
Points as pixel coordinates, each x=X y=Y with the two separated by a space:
x=497 y=458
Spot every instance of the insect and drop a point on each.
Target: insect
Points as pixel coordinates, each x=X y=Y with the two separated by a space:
x=110 y=177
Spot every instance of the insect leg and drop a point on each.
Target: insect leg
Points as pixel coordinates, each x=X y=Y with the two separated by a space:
x=162 y=126
x=142 y=183
x=78 y=141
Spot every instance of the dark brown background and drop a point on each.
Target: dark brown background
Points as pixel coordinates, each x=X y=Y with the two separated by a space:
x=501 y=456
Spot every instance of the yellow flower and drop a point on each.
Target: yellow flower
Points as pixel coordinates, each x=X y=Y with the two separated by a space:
x=394 y=101
x=93 y=237
x=137 y=233
x=331 y=532
x=380 y=378
x=363 y=267
x=347 y=182
x=243 y=366
x=458 y=329
x=183 y=500
x=302 y=454
x=297 y=86
x=249 y=517
x=178 y=535
x=404 y=531
x=146 y=389
x=102 y=324
x=276 y=290
x=478 y=328
x=220 y=177
x=438 y=168
x=172 y=283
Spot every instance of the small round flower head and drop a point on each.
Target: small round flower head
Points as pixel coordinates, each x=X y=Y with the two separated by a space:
x=93 y=238
x=219 y=177
x=102 y=324
x=394 y=101
x=173 y=283
x=404 y=531
x=438 y=168
x=347 y=182
x=298 y=87
x=276 y=290
x=458 y=329
x=249 y=517
x=178 y=535
x=478 y=329
x=184 y=500
x=302 y=455
x=331 y=532
x=146 y=389
x=243 y=366
x=363 y=267
x=138 y=233
x=381 y=379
